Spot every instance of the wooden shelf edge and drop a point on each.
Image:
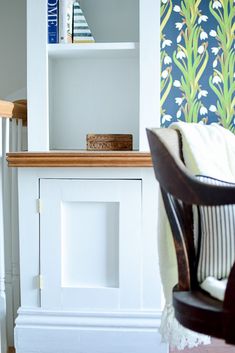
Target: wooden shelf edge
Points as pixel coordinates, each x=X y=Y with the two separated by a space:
x=79 y=159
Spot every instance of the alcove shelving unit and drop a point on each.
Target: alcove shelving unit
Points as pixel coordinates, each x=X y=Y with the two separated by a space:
x=94 y=88
x=102 y=87
x=89 y=218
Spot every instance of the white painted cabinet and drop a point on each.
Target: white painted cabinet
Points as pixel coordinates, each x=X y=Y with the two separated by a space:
x=90 y=244
x=88 y=256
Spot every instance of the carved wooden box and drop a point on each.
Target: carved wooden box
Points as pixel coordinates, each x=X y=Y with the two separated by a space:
x=109 y=142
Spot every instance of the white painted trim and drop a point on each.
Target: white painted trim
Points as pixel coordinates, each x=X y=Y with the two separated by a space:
x=3 y=340
x=9 y=270
x=149 y=68
x=88 y=332
x=91 y=50
x=37 y=70
x=110 y=319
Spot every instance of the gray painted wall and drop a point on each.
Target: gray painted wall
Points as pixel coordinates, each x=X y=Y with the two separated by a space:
x=12 y=48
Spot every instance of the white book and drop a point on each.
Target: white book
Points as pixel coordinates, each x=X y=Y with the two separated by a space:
x=65 y=21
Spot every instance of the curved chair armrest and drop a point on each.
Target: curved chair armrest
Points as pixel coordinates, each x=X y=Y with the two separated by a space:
x=176 y=179
x=215 y=195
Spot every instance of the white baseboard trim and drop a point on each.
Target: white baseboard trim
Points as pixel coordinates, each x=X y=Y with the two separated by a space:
x=124 y=319
x=87 y=332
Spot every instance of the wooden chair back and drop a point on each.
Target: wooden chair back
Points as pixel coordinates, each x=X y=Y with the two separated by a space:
x=180 y=190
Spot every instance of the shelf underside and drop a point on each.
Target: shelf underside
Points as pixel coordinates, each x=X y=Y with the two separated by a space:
x=79 y=159
x=72 y=51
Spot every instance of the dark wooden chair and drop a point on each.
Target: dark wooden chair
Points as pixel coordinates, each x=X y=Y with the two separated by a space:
x=194 y=308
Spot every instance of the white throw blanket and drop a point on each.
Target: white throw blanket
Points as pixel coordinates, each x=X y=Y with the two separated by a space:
x=208 y=150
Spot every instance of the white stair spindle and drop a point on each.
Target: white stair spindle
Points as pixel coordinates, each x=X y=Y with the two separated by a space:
x=15 y=140
x=3 y=338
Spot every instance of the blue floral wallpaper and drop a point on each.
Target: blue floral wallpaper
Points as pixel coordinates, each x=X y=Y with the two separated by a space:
x=197 y=61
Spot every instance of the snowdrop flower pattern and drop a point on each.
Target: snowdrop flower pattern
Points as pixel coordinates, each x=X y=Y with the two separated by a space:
x=165 y=61
x=202 y=93
x=201 y=49
x=166 y=43
x=190 y=58
x=222 y=80
x=179 y=38
x=213 y=108
x=215 y=63
x=165 y=74
x=179 y=25
x=216 y=80
x=178 y=114
x=166 y=117
x=202 y=18
x=216 y=5
x=203 y=35
x=213 y=33
x=177 y=8
x=179 y=100
x=180 y=54
x=199 y=81
x=176 y=83
x=215 y=50
x=203 y=110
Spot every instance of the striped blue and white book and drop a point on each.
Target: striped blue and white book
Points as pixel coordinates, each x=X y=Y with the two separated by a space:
x=53 y=21
x=81 y=30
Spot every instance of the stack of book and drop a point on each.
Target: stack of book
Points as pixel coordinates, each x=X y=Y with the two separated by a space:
x=67 y=23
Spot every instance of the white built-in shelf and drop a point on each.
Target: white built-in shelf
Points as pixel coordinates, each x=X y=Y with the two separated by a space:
x=72 y=51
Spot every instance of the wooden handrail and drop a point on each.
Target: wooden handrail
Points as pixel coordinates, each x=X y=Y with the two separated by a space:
x=21 y=101
x=14 y=110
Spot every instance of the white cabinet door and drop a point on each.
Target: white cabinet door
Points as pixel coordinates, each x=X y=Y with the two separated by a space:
x=90 y=246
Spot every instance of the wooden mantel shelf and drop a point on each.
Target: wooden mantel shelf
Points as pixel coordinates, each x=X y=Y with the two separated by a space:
x=79 y=159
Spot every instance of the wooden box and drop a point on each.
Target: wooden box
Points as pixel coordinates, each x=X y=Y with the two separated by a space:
x=109 y=142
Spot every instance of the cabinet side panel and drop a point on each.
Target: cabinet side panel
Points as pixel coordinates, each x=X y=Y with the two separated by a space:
x=37 y=76
x=149 y=68
x=29 y=238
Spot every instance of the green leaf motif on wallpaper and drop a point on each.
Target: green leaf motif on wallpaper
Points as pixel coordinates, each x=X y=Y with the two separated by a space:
x=166 y=61
x=191 y=58
x=222 y=81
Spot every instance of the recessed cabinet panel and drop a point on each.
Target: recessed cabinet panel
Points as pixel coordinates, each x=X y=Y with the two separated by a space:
x=87 y=228
x=90 y=244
